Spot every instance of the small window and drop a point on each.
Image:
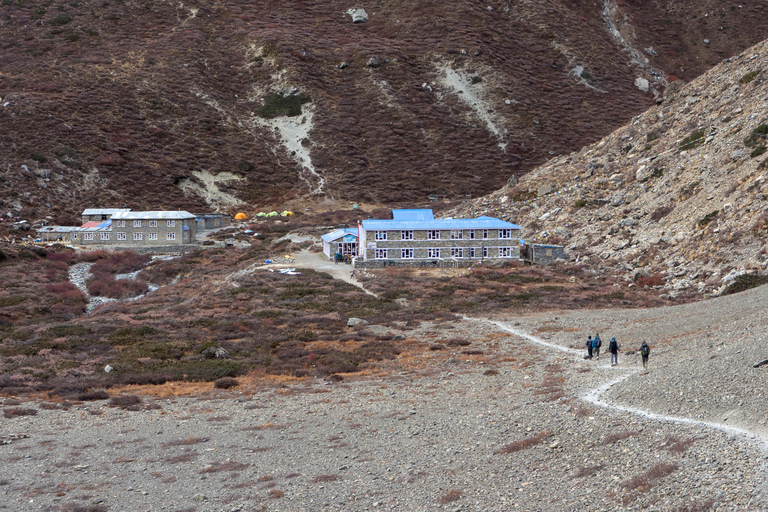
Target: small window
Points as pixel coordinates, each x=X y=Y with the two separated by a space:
x=138 y=236
x=471 y=234
x=406 y=235
x=103 y=217
x=406 y=254
x=485 y=234
x=457 y=252
x=171 y=224
x=170 y=236
x=137 y=223
x=505 y=252
x=153 y=223
x=380 y=254
x=433 y=252
x=121 y=223
x=151 y=236
x=104 y=236
x=121 y=236
x=485 y=252
x=457 y=234
x=471 y=252
x=87 y=236
x=433 y=234
x=380 y=235
x=505 y=234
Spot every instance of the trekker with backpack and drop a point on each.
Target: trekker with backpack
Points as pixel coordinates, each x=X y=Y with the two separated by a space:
x=645 y=351
x=589 y=347
x=613 y=348
x=596 y=344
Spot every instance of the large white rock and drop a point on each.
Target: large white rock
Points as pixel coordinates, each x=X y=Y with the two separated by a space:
x=642 y=84
x=358 y=15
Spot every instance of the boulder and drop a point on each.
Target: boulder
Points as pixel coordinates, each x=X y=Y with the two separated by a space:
x=642 y=84
x=373 y=62
x=215 y=353
x=352 y=322
x=398 y=337
x=358 y=15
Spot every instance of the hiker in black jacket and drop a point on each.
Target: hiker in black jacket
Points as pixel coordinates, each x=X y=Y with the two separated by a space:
x=613 y=348
x=645 y=351
x=589 y=347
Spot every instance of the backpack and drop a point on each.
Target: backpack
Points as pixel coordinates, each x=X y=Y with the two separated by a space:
x=613 y=346
x=598 y=342
x=645 y=350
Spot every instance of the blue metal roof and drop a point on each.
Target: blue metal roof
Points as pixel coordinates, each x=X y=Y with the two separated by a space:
x=478 y=223
x=413 y=214
x=335 y=235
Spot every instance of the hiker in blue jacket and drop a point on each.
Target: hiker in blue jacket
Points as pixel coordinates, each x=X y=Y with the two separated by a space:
x=613 y=348
x=596 y=344
x=589 y=347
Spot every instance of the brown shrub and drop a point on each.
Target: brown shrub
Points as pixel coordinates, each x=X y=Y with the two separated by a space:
x=226 y=383
x=179 y=459
x=646 y=480
x=458 y=342
x=523 y=444
x=124 y=401
x=188 y=441
x=620 y=436
x=275 y=493
x=449 y=497
x=588 y=470
x=676 y=445
x=93 y=395
x=18 y=411
x=229 y=465
x=325 y=478
x=651 y=281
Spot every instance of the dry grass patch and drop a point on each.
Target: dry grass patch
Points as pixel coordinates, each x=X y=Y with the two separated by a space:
x=15 y=412
x=449 y=497
x=524 y=444
x=588 y=471
x=229 y=465
x=266 y=426
x=187 y=442
x=620 y=436
x=645 y=481
x=674 y=444
x=325 y=478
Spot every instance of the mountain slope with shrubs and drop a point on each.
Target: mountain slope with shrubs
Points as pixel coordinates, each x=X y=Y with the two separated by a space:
x=678 y=196
x=191 y=106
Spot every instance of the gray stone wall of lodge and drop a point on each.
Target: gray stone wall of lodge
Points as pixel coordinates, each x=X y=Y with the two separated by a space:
x=420 y=246
x=431 y=263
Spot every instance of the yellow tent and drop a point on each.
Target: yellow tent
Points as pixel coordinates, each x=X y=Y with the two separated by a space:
x=287 y=213
x=240 y=216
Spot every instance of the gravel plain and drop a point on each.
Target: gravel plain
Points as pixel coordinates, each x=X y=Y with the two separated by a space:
x=506 y=423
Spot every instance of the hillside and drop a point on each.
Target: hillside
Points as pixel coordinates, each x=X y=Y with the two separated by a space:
x=154 y=104
x=678 y=194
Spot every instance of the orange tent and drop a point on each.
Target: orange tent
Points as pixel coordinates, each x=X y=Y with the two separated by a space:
x=240 y=216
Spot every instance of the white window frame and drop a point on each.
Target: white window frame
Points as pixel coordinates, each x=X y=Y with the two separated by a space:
x=153 y=223
x=406 y=235
x=103 y=236
x=457 y=252
x=457 y=234
x=433 y=234
x=433 y=252
x=137 y=236
x=171 y=224
x=505 y=252
x=379 y=235
x=87 y=236
x=170 y=236
x=121 y=235
x=121 y=223
x=152 y=235
x=406 y=254
x=472 y=252
x=485 y=234
x=505 y=234
x=137 y=223
x=471 y=234
x=485 y=252
x=380 y=254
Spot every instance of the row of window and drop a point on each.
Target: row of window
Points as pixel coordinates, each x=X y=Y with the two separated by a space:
x=152 y=223
x=438 y=252
x=124 y=236
x=456 y=234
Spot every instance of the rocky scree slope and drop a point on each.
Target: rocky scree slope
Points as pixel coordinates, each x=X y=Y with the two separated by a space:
x=680 y=191
x=154 y=104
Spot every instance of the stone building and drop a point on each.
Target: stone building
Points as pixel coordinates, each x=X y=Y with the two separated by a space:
x=153 y=228
x=101 y=214
x=416 y=238
x=341 y=241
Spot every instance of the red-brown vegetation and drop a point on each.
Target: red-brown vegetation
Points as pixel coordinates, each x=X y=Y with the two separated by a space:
x=523 y=444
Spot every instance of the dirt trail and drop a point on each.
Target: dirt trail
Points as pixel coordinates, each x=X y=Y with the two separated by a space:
x=594 y=395
x=318 y=261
